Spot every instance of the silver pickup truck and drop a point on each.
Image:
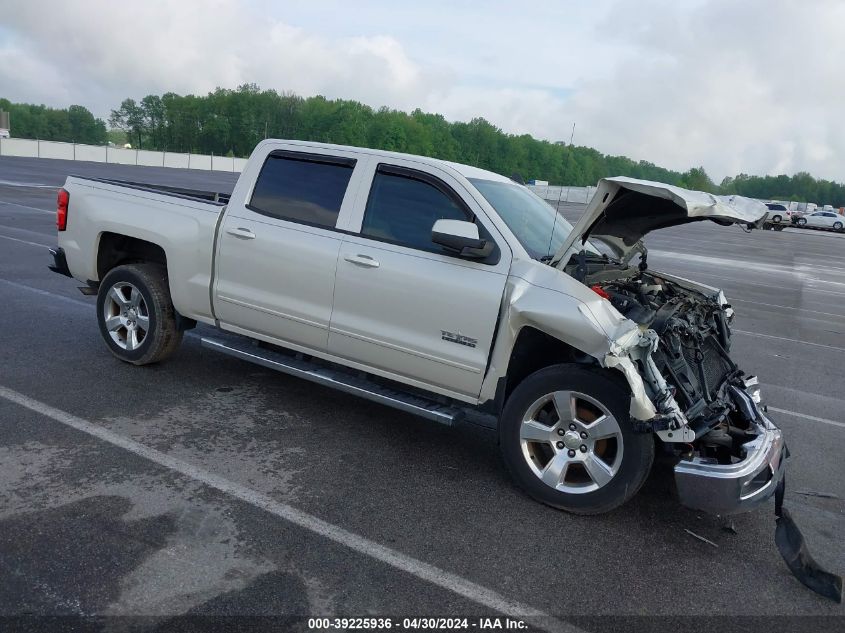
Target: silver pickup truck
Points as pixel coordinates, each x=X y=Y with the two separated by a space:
x=452 y=293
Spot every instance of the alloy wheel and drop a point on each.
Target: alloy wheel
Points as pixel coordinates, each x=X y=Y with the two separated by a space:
x=126 y=316
x=571 y=442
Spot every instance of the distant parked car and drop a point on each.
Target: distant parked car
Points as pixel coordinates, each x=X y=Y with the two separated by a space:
x=779 y=213
x=823 y=220
x=4 y=133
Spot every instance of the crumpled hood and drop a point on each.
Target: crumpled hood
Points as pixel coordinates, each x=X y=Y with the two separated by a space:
x=623 y=210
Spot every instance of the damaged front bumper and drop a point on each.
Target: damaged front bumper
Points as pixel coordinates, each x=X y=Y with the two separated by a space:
x=734 y=488
x=702 y=482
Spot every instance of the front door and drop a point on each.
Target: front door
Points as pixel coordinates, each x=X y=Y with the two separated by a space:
x=402 y=306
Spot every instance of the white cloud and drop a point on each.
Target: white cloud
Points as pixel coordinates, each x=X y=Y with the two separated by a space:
x=749 y=86
x=752 y=86
x=113 y=50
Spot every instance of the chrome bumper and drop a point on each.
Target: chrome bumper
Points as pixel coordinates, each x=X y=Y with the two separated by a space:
x=734 y=488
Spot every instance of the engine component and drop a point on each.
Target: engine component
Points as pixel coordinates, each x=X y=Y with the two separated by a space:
x=693 y=337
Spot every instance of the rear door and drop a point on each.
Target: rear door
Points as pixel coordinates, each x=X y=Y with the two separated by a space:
x=405 y=308
x=278 y=248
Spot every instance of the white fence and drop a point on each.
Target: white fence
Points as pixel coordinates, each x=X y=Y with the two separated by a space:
x=121 y=156
x=563 y=194
x=117 y=155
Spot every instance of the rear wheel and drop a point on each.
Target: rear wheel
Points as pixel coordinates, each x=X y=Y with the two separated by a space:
x=777 y=218
x=136 y=316
x=837 y=226
x=802 y=222
x=566 y=438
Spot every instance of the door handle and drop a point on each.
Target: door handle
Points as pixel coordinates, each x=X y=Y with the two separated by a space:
x=362 y=260
x=242 y=233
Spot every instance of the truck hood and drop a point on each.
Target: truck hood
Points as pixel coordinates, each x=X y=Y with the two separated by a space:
x=623 y=210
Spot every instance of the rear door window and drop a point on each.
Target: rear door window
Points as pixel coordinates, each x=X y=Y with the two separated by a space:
x=302 y=188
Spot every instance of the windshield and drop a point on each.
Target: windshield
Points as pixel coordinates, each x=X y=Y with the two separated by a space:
x=528 y=217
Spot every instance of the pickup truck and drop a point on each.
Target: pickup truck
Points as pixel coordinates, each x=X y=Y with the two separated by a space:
x=452 y=293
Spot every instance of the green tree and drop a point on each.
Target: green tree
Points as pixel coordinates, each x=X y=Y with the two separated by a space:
x=233 y=121
x=75 y=123
x=130 y=118
x=697 y=179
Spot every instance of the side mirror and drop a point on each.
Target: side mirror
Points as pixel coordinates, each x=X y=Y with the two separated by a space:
x=461 y=237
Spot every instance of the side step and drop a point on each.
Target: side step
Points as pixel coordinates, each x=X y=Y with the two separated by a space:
x=336 y=379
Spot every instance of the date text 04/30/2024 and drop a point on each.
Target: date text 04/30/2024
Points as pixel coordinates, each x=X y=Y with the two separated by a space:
x=422 y=623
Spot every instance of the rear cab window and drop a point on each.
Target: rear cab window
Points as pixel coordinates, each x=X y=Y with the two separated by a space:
x=302 y=187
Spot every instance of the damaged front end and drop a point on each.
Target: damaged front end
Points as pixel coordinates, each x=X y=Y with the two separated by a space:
x=708 y=412
x=705 y=409
x=729 y=456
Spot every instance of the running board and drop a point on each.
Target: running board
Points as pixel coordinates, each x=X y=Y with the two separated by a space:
x=336 y=379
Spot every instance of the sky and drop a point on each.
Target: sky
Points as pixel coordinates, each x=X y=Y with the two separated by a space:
x=736 y=87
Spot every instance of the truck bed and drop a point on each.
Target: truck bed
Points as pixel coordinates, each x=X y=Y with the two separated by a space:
x=217 y=197
x=105 y=215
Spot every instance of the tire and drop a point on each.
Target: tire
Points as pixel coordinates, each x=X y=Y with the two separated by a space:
x=136 y=298
x=545 y=444
x=802 y=222
x=837 y=226
x=779 y=228
x=777 y=219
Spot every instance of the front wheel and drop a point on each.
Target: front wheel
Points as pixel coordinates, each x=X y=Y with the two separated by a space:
x=802 y=222
x=837 y=226
x=777 y=219
x=567 y=440
x=136 y=316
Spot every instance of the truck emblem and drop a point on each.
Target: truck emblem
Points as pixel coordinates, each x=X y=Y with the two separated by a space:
x=460 y=339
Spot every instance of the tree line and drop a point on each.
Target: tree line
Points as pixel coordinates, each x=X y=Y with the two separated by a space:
x=231 y=122
x=73 y=124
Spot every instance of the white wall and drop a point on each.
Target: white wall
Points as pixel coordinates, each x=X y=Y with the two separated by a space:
x=18 y=147
x=118 y=155
x=179 y=161
x=64 y=151
x=563 y=194
x=151 y=159
x=200 y=161
x=91 y=153
x=222 y=163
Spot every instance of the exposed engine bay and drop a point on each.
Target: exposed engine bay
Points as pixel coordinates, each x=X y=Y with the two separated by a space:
x=729 y=456
x=694 y=340
x=692 y=355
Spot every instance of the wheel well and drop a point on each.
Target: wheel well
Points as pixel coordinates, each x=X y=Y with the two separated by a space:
x=116 y=249
x=534 y=350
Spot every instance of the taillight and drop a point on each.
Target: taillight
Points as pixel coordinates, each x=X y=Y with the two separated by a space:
x=61 y=209
x=600 y=291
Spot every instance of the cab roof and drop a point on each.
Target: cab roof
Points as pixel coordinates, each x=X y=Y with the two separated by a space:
x=467 y=171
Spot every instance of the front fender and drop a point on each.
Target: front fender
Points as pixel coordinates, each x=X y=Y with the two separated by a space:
x=573 y=314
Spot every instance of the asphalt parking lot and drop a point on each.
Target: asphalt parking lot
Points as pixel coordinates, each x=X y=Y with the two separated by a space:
x=210 y=486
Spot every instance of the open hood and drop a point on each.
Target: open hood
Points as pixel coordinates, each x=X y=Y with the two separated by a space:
x=623 y=210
